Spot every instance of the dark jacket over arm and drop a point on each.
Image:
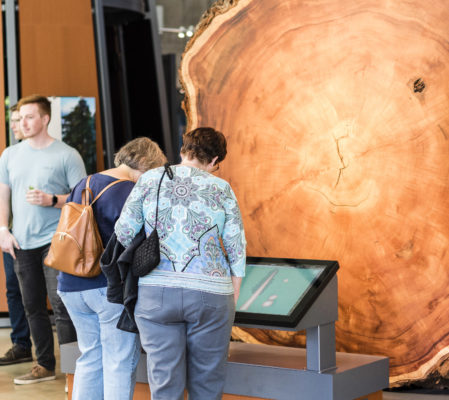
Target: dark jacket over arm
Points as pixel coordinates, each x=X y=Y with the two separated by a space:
x=122 y=284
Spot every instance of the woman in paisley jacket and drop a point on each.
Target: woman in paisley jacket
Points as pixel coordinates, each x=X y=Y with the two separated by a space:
x=186 y=305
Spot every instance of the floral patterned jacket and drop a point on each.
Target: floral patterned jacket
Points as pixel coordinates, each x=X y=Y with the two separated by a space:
x=196 y=210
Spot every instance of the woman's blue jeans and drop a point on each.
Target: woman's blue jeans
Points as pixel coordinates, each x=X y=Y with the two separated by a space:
x=186 y=335
x=106 y=368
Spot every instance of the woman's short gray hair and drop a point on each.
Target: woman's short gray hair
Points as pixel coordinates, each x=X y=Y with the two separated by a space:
x=140 y=154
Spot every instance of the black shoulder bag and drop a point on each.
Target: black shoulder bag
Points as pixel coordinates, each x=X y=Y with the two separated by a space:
x=148 y=255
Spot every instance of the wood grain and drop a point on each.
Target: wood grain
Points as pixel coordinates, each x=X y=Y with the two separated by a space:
x=57 y=53
x=337 y=119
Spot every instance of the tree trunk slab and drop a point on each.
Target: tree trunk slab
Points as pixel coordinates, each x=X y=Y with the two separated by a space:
x=337 y=119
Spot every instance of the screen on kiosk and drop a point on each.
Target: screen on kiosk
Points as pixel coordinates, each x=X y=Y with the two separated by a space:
x=276 y=289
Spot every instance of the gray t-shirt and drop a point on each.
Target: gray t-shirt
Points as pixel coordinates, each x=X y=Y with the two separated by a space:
x=56 y=169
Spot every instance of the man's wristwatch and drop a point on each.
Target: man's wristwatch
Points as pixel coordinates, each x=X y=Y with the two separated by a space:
x=54 y=200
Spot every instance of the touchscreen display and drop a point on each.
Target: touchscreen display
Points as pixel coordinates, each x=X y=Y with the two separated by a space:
x=275 y=289
x=278 y=292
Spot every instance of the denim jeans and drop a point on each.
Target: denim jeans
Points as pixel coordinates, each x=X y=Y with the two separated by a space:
x=36 y=281
x=106 y=368
x=186 y=336
x=20 y=334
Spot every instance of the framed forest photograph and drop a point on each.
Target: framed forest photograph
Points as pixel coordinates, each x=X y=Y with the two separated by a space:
x=73 y=122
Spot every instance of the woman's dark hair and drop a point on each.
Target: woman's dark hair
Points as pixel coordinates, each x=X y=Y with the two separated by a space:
x=204 y=144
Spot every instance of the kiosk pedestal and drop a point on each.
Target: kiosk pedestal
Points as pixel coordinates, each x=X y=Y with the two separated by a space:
x=314 y=373
x=274 y=372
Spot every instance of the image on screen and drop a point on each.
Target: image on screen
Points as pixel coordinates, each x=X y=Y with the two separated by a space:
x=275 y=289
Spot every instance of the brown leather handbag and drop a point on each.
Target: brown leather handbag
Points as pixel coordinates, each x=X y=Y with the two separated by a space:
x=76 y=246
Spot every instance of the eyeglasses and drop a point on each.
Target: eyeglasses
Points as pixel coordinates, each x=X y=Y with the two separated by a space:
x=216 y=167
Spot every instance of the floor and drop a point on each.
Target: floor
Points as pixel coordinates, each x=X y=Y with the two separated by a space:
x=54 y=390
x=50 y=390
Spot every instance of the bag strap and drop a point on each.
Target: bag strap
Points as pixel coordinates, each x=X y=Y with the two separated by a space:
x=107 y=187
x=88 y=190
x=86 y=193
x=169 y=172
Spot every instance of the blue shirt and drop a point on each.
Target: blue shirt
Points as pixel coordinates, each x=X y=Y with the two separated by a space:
x=197 y=211
x=54 y=169
x=106 y=211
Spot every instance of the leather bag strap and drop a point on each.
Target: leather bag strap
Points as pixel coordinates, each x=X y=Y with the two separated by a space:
x=107 y=187
x=86 y=193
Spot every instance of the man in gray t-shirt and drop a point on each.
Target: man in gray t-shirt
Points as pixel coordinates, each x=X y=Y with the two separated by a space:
x=37 y=175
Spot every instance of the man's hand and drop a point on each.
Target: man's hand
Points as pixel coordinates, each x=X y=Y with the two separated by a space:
x=38 y=198
x=8 y=242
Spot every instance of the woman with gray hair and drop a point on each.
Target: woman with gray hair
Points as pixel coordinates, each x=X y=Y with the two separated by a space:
x=109 y=356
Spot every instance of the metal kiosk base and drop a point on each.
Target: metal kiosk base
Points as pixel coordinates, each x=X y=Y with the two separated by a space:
x=274 y=372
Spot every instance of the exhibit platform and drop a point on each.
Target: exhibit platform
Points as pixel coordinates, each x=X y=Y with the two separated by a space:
x=292 y=295
x=260 y=371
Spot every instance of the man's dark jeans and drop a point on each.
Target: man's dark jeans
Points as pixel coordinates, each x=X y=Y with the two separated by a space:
x=36 y=281
x=20 y=334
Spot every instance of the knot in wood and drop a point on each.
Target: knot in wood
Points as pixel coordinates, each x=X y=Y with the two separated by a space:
x=418 y=85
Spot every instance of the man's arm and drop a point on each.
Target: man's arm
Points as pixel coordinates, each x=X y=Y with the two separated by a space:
x=40 y=198
x=7 y=240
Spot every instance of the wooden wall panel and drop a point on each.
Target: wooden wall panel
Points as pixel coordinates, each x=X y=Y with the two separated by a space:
x=57 y=52
x=3 y=304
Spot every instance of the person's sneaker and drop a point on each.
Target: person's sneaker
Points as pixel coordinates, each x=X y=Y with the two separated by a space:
x=16 y=354
x=38 y=374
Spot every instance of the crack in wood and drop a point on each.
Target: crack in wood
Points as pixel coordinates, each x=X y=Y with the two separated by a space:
x=340 y=171
x=407 y=250
x=443 y=132
x=336 y=204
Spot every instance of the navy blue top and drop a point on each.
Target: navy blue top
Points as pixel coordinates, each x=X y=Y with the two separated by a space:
x=107 y=209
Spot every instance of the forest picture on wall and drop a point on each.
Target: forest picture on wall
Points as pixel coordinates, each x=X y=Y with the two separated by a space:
x=73 y=122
